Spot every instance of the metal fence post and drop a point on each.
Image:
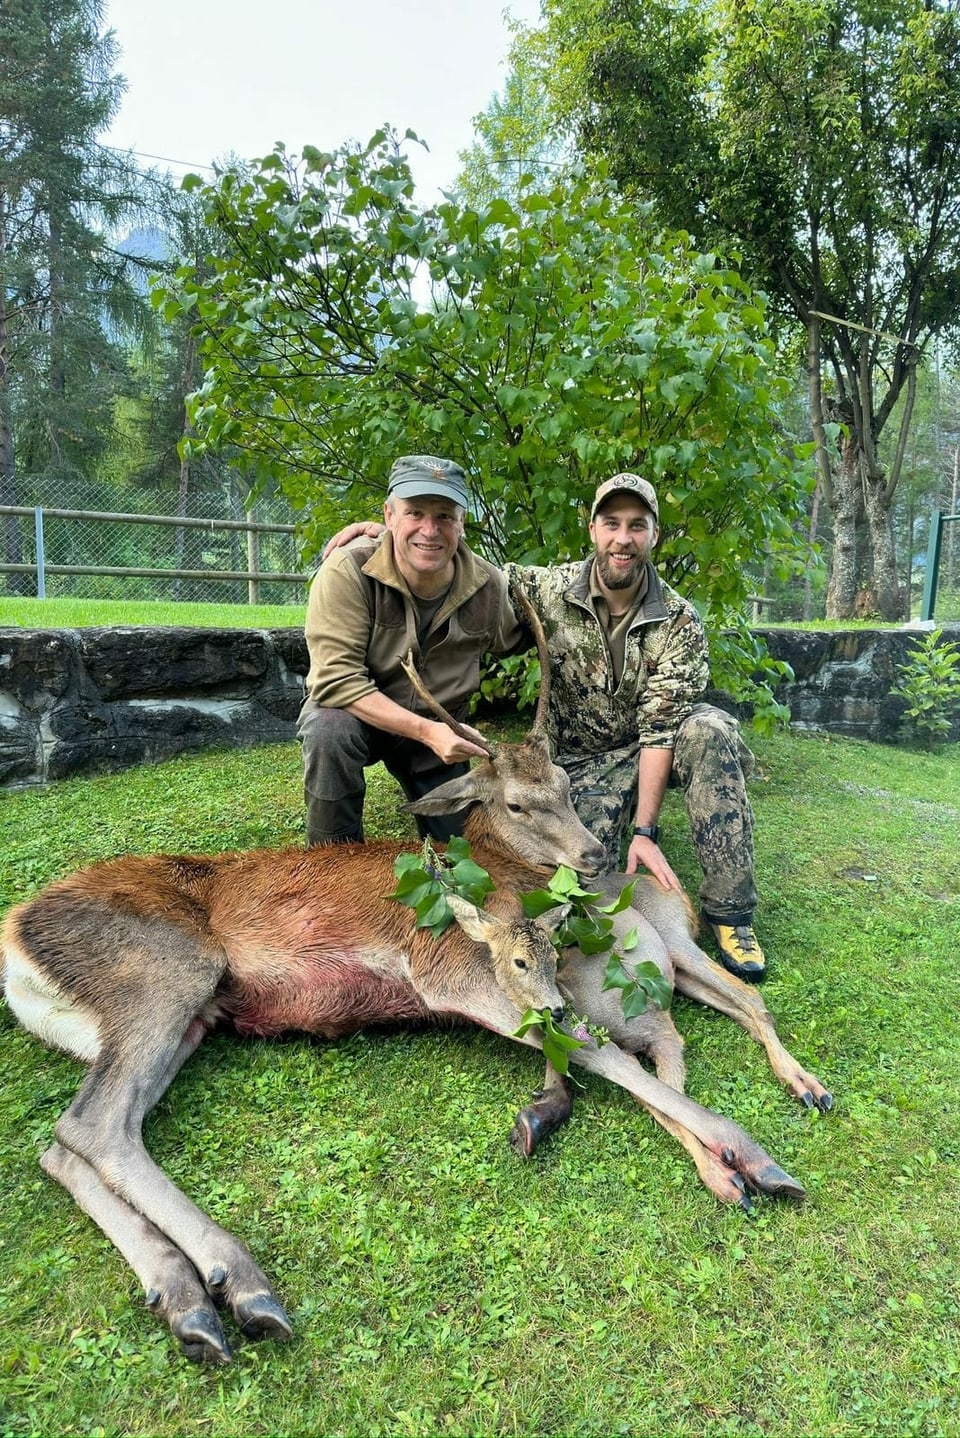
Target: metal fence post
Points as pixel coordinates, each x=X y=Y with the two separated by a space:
x=933 y=564
x=41 y=558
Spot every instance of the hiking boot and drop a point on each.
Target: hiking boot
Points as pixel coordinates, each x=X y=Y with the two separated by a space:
x=740 y=953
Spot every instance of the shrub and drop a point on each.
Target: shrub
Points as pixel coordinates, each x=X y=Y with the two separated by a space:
x=930 y=683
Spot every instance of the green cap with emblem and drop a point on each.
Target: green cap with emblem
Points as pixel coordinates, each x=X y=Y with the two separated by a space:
x=413 y=475
x=626 y=484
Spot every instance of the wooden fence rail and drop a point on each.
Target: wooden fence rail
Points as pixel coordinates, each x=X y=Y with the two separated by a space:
x=253 y=574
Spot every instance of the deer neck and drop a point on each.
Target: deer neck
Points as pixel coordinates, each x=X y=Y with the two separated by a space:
x=507 y=868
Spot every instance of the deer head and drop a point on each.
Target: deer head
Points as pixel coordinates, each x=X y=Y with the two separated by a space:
x=524 y=959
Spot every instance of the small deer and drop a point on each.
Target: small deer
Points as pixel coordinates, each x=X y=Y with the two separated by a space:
x=127 y=965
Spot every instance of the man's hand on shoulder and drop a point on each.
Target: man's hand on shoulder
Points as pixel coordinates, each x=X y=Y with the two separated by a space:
x=369 y=529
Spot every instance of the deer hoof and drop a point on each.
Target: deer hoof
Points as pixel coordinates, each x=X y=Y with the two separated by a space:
x=524 y=1136
x=549 y=1111
x=262 y=1317
x=745 y=1201
x=774 y=1179
x=200 y=1336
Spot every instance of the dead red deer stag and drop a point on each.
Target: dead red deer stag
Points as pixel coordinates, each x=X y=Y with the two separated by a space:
x=128 y=964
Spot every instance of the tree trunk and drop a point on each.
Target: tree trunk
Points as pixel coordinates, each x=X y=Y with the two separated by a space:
x=842 y=588
x=12 y=548
x=57 y=354
x=886 y=596
x=812 y=536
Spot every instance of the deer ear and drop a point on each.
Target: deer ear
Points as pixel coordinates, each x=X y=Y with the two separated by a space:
x=449 y=797
x=553 y=918
x=476 y=923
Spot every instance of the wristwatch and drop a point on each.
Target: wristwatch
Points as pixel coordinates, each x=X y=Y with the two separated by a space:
x=648 y=831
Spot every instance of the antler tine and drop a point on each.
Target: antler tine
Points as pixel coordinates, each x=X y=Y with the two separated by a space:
x=435 y=707
x=543 y=700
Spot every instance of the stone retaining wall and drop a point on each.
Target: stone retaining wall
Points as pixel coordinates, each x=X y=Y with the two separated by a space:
x=843 y=678
x=78 y=701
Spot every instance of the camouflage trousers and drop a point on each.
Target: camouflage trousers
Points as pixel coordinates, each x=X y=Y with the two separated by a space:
x=710 y=765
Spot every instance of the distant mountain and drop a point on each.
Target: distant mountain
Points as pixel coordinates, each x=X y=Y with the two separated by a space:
x=146 y=242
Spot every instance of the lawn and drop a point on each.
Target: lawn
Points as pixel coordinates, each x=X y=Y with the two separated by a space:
x=89 y=613
x=440 y=1285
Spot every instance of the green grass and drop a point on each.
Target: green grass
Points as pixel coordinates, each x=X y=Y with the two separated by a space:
x=89 y=613
x=439 y=1285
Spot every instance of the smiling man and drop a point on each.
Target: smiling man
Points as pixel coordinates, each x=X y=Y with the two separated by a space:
x=628 y=661
x=420 y=589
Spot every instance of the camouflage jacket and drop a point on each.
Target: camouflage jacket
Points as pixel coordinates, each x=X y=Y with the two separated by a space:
x=665 y=667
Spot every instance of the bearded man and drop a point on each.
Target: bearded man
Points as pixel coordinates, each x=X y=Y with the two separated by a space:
x=629 y=668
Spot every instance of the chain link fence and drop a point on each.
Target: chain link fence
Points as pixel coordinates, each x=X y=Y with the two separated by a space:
x=102 y=541
x=107 y=541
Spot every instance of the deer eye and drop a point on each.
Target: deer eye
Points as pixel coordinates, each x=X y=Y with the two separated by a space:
x=515 y=809
x=520 y=964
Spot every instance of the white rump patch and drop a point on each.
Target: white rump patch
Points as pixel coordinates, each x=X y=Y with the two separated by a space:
x=46 y=1012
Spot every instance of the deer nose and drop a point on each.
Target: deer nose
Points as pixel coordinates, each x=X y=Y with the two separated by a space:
x=594 y=860
x=558 y=1014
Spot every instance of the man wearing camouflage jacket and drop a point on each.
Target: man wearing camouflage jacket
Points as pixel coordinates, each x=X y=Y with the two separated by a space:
x=628 y=663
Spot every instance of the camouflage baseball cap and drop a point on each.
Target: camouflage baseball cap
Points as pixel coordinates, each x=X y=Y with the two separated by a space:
x=626 y=484
x=421 y=474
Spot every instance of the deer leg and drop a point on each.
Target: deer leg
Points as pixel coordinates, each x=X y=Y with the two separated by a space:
x=103 y=1128
x=551 y=1108
x=171 y=1283
x=698 y=977
x=152 y=1029
x=654 y=1034
x=731 y=1162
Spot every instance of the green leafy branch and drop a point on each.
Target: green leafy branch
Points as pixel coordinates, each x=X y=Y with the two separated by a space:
x=424 y=880
x=557 y=1044
x=588 y=925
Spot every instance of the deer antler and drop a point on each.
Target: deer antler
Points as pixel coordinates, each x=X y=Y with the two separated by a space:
x=435 y=707
x=536 y=628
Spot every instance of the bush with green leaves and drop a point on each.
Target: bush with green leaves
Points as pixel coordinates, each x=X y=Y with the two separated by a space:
x=546 y=343
x=930 y=683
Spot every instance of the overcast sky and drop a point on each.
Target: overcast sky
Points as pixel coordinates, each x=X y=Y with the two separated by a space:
x=206 y=78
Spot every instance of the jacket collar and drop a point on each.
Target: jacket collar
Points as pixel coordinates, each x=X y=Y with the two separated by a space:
x=468 y=575
x=653 y=607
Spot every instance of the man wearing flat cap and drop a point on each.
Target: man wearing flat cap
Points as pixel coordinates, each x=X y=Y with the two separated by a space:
x=629 y=668
x=420 y=589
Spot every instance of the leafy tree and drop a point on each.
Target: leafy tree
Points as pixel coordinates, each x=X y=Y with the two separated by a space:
x=517 y=139
x=824 y=137
x=66 y=295
x=547 y=344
